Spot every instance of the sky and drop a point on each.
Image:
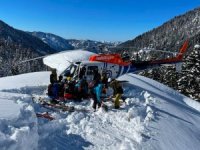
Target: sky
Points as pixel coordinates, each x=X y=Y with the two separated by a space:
x=101 y=20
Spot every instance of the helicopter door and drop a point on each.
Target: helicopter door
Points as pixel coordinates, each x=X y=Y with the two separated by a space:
x=90 y=70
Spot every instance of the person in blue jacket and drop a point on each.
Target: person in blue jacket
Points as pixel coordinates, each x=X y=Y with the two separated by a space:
x=81 y=88
x=97 y=90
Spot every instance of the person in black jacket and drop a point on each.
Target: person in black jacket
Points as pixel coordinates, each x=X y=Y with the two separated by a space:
x=53 y=79
x=96 y=77
x=53 y=76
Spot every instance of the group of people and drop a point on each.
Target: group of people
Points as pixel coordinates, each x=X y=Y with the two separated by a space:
x=79 y=89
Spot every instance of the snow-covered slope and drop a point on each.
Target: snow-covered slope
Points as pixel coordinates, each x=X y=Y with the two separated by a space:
x=154 y=117
x=174 y=124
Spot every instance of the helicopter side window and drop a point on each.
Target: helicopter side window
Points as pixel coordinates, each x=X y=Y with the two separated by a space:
x=90 y=69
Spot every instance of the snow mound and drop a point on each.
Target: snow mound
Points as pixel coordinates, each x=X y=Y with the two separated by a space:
x=20 y=83
x=18 y=123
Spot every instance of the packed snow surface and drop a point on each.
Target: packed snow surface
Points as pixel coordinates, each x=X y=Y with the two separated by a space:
x=153 y=117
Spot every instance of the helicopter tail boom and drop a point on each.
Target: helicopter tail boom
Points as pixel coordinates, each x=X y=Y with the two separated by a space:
x=176 y=59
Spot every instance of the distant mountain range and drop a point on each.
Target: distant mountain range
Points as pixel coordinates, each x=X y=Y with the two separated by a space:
x=171 y=34
x=58 y=43
x=54 y=41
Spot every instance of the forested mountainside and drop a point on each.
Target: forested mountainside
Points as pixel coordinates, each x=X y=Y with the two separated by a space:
x=16 y=46
x=171 y=34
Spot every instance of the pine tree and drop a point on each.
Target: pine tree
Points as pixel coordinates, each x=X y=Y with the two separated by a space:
x=189 y=83
x=170 y=77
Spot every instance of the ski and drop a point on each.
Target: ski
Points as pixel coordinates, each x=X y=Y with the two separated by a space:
x=45 y=115
x=58 y=106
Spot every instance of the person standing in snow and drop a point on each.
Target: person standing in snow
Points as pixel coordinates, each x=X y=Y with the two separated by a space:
x=81 y=88
x=53 y=79
x=96 y=77
x=69 y=89
x=53 y=76
x=117 y=92
x=95 y=89
x=104 y=79
x=61 y=86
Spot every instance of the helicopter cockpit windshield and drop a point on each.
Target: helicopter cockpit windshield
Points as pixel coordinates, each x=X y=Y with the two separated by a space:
x=71 y=70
